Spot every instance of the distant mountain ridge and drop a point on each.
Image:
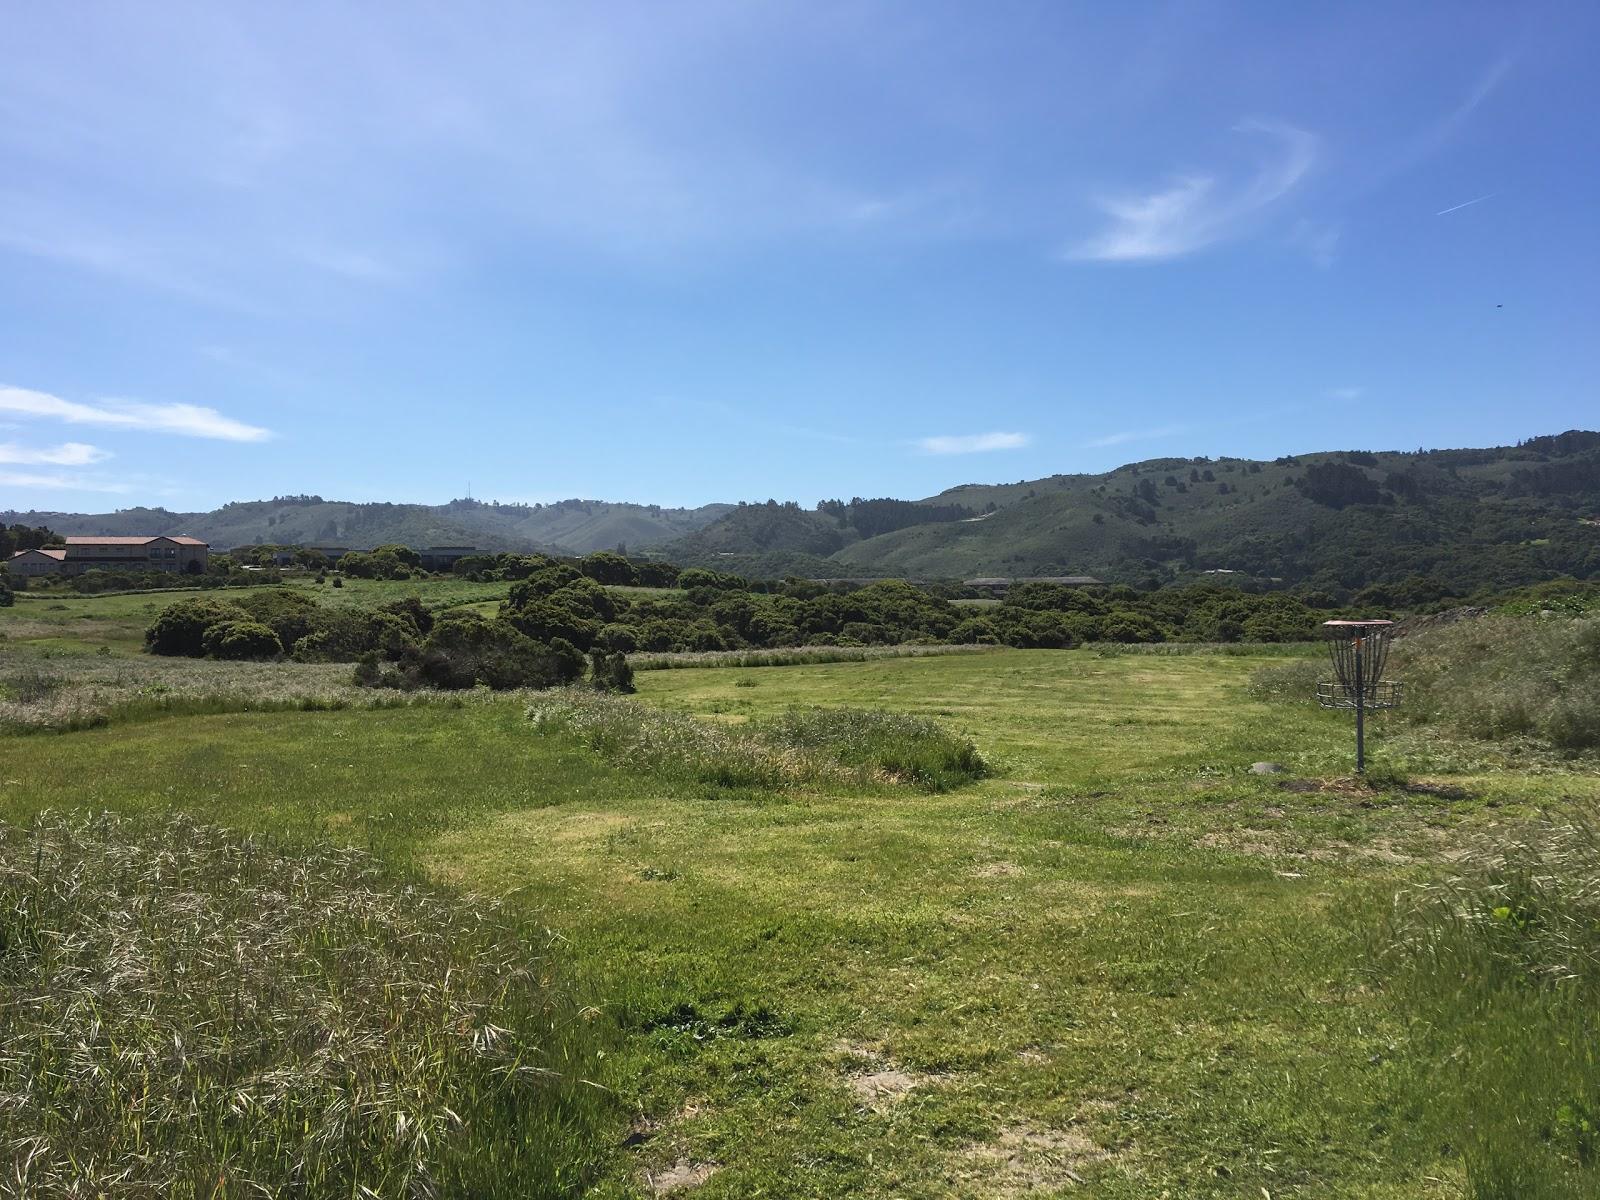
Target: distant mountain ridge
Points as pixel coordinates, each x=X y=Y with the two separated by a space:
x=1339 y=519
x=565 y=527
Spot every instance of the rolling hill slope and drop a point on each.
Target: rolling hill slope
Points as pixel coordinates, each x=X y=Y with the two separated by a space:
x=1342 y=518
x=569 y=526
x=1501 y=515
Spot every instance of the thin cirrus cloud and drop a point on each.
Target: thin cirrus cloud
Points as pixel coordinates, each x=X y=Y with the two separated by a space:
x=1199 y=210
x=68 y=454
x=71 y=483
x=973 y=443
x=187 y=420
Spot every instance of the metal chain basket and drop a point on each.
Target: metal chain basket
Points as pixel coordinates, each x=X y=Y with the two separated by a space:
x=1360 y=652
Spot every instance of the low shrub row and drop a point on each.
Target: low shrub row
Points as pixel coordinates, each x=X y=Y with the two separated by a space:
x=721 y=613
x=400 y=644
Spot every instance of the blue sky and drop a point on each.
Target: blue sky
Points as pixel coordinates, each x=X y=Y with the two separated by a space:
x=692 y=251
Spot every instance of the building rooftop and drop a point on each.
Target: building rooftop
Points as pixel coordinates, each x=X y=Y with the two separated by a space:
x=53 y=553
x=1069 y=580
x=133 y=541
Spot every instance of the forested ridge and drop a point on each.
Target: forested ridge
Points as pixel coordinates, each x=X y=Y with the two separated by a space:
x=1339 y=520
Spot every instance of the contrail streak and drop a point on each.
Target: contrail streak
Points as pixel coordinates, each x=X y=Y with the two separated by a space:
x=1454 y=207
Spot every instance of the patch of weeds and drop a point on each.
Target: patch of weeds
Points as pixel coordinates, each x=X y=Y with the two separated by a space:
x=684 y=1025
x=30 y=686
x=820 y=745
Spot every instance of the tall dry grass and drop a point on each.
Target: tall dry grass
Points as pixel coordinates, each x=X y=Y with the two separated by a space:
x=1496 y=966
x=1506 y=677
x=184 y=1013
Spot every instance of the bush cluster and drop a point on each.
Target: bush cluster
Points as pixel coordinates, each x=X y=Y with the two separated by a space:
x=720 y=612
x=602 y=566
x=400 y=644
x=465 y=650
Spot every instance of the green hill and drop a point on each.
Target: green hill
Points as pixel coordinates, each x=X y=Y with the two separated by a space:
x=1341 y=519
x=568 y=526
x=1504 y=515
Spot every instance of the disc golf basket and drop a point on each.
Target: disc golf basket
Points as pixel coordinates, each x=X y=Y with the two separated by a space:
x=1360 y=651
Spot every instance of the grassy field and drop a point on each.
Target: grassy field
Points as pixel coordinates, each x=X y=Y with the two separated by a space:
x=1122 y=962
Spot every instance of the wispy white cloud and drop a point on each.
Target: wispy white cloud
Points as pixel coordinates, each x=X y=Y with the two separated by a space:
x=972 y=443
x=68 y=454
x=69 y=483
x=1346 y=393
x=1465 y=204
x=188 y=420
x=1197 y=210
x=1136 y=435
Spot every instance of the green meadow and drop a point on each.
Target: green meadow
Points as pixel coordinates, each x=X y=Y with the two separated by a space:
x=1119 y=965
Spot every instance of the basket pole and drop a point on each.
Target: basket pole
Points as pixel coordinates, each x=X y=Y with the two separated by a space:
x=1361 y=711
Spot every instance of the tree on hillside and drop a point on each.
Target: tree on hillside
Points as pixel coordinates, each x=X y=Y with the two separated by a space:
x=607 y=568
x=1338 y=485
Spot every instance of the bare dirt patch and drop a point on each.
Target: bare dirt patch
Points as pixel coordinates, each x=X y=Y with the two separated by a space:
x=883 y=1081
x=997 y=870
x=1027 y=1159
x=681 y=1176
x=882 y=1086
x=1363 y=792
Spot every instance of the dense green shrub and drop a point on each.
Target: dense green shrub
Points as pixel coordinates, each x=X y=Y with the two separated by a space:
x=180 y=628
x=7 y=596
x=346 y=634
x=289 y=614
x=241 y=640
x=383 y=563
x=466 y=650
x=719 y=612
x=411 y=610
x=608 y=568
x=611 y=672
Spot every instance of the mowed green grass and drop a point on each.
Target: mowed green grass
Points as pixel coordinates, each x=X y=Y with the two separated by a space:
x=1122 y=967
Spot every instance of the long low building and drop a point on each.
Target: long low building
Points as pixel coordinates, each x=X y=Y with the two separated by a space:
x=28 y=563
x=187 y=555
x=998 y=584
